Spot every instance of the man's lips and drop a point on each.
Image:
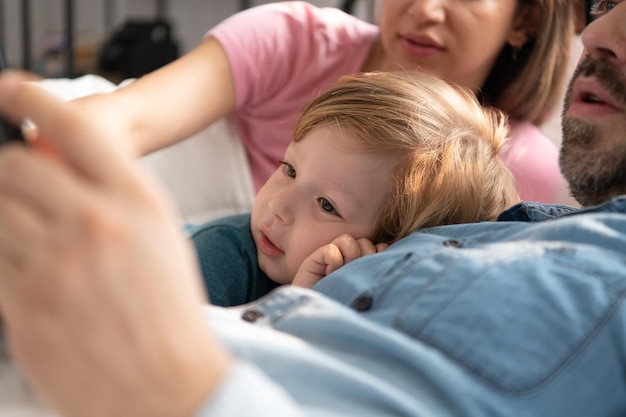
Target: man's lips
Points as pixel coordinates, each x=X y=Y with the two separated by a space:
x=267 y=247
x=590 y=98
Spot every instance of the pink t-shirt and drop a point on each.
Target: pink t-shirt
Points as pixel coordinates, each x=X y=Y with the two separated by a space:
x=534 y=162
x=282 y=55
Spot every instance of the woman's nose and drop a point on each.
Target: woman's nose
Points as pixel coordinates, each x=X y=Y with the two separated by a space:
x=426 y=12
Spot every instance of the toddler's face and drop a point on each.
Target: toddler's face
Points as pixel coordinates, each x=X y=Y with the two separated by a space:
x=322 y=190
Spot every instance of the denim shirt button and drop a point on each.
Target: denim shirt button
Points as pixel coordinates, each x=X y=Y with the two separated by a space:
x=362 y=303
x=251 y=315
x=453 y=243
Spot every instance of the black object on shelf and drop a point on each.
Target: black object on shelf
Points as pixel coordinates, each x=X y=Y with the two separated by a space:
x=68 y=12
x=161 y=5
x=348 y=5
x=138 y=48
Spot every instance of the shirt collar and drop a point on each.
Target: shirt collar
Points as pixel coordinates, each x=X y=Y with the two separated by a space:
x=537 y=212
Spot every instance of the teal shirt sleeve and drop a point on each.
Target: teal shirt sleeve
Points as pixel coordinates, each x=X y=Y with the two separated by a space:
x=228 y=261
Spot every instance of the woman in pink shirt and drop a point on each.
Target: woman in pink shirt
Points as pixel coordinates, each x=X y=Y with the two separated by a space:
x=261 y=65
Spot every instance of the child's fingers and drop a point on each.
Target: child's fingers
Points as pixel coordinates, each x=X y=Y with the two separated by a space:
x=332 y=257
x=381 y=247
x=366 y=247
x=352 y=248
x=317 y=265
x=349 y=247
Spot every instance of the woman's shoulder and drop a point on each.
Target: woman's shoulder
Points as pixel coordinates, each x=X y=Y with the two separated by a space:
x=527 y=135
x=302 y=10
x=286 y=51
x=533 y=159
x=295 y=19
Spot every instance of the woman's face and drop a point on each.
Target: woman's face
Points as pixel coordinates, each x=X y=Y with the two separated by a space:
x=458 y=40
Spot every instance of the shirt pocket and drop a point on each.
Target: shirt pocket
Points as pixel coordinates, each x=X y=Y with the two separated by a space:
x=516 y=321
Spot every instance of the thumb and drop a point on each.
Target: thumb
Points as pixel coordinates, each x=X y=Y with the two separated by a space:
x=61 y=130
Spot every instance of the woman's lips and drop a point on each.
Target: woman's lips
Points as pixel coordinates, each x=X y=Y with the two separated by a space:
x=267 y=247
x=420 y=46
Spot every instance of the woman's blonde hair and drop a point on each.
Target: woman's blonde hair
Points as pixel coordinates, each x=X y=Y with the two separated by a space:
x=527 y=83
x=446 y=147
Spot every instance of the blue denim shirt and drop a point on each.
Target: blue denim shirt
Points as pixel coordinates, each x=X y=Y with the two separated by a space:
x=520 y=317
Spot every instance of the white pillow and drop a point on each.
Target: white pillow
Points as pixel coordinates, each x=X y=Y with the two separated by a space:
x=207 y=175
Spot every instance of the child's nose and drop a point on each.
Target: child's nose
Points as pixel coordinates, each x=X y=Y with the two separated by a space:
x=282 y=206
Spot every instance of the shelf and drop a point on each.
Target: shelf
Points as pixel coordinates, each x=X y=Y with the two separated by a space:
x=69 y=29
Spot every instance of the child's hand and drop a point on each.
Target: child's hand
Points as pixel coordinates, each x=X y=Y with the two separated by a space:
x=330 y=257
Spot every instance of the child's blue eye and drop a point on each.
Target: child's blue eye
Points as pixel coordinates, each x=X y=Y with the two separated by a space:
x=602 y=7
x=288 y=169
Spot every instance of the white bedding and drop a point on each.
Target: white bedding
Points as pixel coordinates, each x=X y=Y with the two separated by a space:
x=207 y=175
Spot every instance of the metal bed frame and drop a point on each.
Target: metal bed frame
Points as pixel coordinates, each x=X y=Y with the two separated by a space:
x=69 y=28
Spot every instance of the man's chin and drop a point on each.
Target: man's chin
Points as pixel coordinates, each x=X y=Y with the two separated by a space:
x=592 y=164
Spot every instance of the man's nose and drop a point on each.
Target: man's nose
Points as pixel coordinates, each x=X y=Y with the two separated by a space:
x=606 y=36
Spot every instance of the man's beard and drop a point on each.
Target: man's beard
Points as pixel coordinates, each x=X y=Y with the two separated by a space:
x=595 y=172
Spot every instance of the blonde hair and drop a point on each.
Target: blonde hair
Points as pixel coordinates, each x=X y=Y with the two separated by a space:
x=446 y=146
x=527 y=84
